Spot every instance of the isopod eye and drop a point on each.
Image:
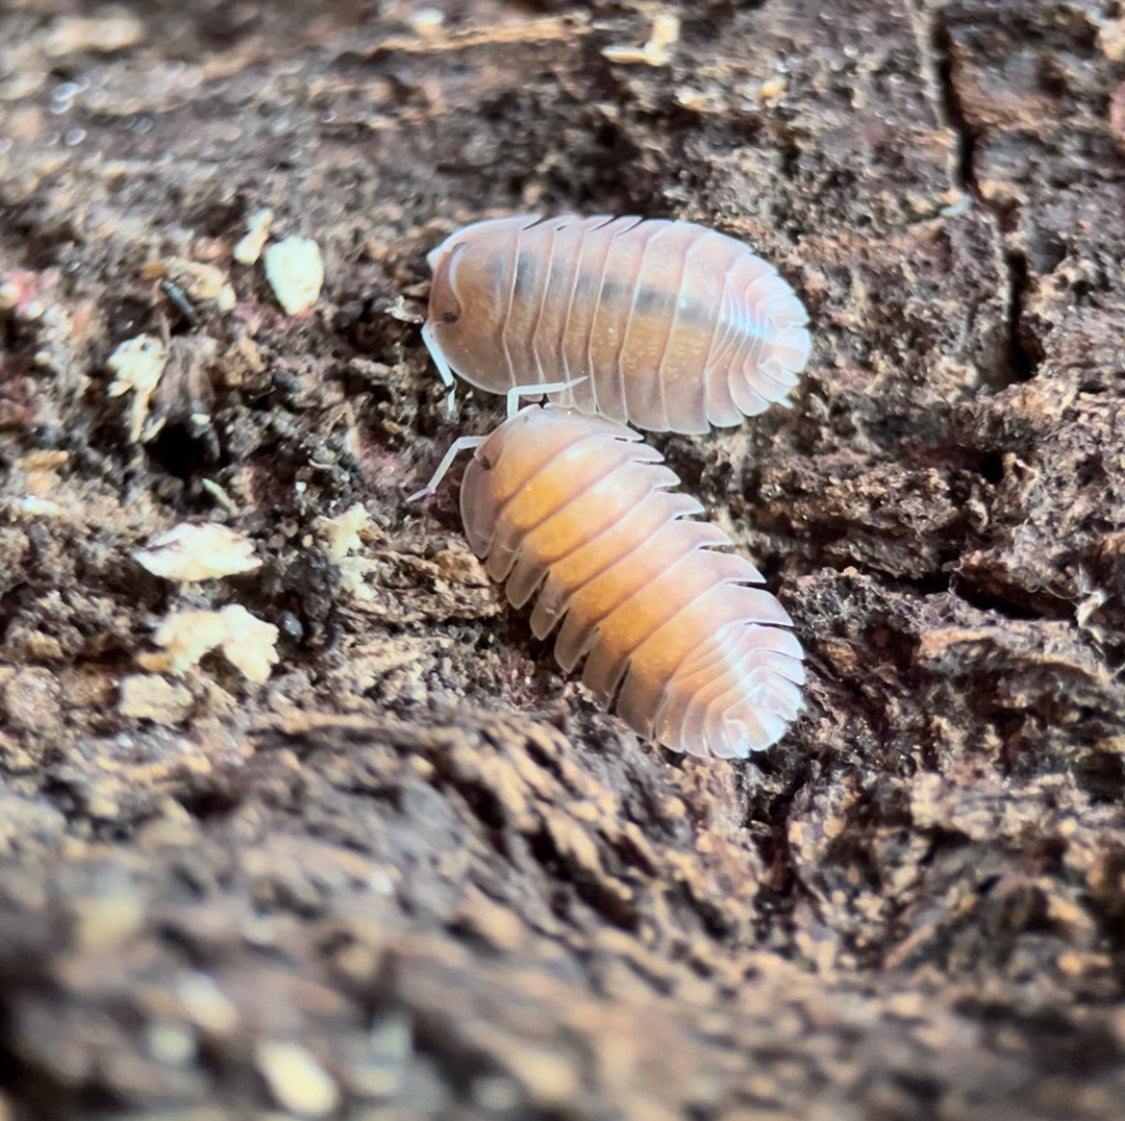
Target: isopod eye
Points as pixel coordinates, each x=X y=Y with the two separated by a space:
x=445 y=307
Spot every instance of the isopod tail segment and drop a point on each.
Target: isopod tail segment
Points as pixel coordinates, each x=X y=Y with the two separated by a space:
x=466 y=443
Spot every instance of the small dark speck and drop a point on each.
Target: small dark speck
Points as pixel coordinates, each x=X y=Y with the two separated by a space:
x=179 y=299
x=450 y=317
x=291 y=626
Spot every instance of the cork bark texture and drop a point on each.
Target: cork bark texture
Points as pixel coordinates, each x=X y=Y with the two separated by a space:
x=416 y=872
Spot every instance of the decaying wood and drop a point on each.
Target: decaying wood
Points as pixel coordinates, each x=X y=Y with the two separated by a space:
x=416 y=873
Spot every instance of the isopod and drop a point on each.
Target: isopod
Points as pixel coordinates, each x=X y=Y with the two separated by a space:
x=576 y=511
x=673 y=326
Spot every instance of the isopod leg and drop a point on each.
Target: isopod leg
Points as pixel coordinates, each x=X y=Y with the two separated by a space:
x=462 y=443
x=518 y=392
x=443 y=369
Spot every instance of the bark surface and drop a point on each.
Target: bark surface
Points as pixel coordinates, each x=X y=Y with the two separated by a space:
x=417 y=873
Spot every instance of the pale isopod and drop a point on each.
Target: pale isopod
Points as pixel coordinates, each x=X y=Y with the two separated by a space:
x=575 y=511
x=673 y=326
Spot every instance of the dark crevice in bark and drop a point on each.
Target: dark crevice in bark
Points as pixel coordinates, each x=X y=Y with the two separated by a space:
x=1020 y=360
x=939 y=58
x=935 y=44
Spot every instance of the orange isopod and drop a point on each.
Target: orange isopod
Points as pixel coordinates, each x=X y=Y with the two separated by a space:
x=576 y=511
x=673 y=326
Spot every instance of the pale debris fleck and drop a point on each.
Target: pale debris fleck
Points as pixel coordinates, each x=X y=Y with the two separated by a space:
x=137 y=365
x=207 y=283
x=295 y=271
x=205 y=1004
x=353 y=577
x=198 y=552
x=173 y=1045
x=961 y=202
x=43 y=460
x=342 y=536
x=148 y=696
x=219 y=495
x=426 y=22
x=342 y=533
x=112 y=29
x=248 y=643
x=771 y=90
x=658 y=50
x=34 y=507
x=203 y=283
x=709 y=100
x=105 y=921
x=298 y=1082
x=249 y=249
x=1111 y=39
x=405 y=312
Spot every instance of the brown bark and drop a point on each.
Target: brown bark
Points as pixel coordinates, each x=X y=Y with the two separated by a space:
x=419 y=854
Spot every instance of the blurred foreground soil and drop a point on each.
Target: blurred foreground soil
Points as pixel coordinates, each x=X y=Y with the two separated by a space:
x=416 y=873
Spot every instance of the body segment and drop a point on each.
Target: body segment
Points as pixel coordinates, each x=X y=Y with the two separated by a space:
x=575 y=512
x=673 y=326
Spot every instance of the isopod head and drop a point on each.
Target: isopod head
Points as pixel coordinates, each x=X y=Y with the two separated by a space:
x=463 y=328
